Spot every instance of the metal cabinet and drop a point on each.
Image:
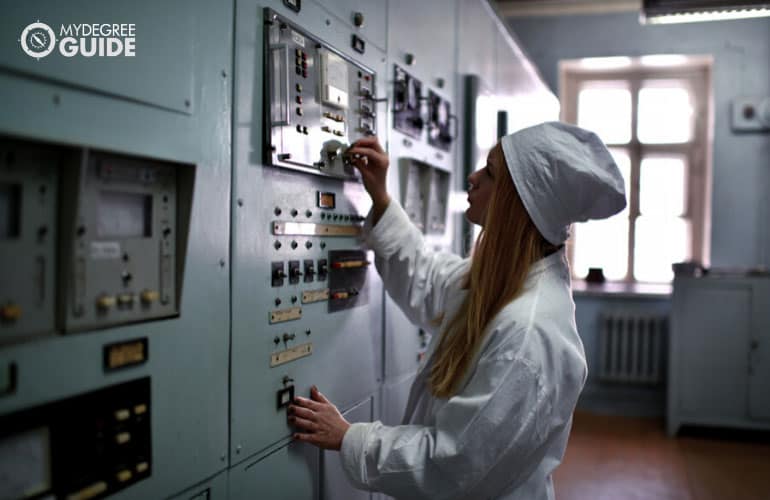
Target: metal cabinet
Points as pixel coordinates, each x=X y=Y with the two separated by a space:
x=720 y=352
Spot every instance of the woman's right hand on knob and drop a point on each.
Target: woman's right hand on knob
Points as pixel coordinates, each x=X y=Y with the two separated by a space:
x=370 y=159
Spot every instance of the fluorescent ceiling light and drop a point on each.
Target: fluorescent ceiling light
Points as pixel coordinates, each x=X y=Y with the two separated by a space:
x=689 y=11
x=663 y=60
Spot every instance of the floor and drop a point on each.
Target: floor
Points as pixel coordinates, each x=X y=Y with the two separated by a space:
x=621 y=458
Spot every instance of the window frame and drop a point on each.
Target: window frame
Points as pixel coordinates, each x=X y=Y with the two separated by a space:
x=696 y=71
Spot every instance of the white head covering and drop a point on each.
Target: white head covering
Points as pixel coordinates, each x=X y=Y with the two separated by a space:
x=563 y=174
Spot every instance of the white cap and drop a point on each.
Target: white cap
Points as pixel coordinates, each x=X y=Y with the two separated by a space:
x=563 y=174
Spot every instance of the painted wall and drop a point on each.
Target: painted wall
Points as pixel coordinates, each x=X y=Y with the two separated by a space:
x=741 y=177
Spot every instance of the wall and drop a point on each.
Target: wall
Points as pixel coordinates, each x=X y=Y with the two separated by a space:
x=740 y=235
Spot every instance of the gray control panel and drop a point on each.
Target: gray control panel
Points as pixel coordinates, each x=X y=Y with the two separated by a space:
x=28 y=192
x=425 y=195
x=119 y=238
x=319 y=101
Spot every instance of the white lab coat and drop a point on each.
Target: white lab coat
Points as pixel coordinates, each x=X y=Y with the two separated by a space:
x=502 y=435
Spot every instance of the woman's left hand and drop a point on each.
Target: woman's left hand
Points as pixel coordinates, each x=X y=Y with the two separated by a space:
x=318 y=420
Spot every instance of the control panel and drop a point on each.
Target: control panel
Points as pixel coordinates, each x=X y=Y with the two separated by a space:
x=439 y=122
x=28 y=197
x=319 y=101
x=118 y=241
x=425 y=194
x=407 y=103
x=84 y=447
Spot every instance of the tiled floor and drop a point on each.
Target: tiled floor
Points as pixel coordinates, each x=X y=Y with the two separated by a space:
x=620 y=458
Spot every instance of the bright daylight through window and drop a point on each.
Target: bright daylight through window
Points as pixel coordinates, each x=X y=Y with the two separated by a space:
x=654 y=121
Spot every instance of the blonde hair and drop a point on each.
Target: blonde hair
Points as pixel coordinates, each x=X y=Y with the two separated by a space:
x=507 y=247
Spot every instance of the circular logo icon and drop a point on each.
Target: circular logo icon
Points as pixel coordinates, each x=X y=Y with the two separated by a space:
x=38 y=40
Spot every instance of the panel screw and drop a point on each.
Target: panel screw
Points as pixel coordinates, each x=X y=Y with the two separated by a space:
x=358 y=19
x=409 y=59
x=222 y=457
x=56 y=99
x=187 y=103
x=224 y=74
x=240 y=202
x=238 y=449
x=221 y=262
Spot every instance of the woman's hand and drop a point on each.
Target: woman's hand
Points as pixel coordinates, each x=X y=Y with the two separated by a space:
x=322 y=423
x=371 y=160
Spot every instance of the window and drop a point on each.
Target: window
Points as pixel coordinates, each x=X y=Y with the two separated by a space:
x=654 y=120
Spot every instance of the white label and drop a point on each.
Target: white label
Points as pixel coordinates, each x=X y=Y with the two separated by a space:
x=105 y=250
x=298 y=39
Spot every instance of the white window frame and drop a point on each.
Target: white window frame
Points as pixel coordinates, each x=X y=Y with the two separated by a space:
x=696 y=71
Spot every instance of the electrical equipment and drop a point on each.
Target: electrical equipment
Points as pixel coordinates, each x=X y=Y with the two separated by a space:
x=320 y=101
x=118 y=241
x=87 y=446
x=407 y=97
x=425 y=194
x=439 y=122
x=436 y=216
x=347 y=279
x=751 y=114
x=28 y=197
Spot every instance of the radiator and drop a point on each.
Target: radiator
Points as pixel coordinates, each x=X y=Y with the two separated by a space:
x=631 y=347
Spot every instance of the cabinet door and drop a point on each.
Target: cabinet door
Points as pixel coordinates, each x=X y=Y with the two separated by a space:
x=759 y=353
x=715 y=323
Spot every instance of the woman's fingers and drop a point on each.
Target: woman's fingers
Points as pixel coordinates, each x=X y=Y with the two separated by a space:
x=316 y=395
x=308 y=438
x=371 y=142
x=303 y=423
x=302 y=412
x=307 y=403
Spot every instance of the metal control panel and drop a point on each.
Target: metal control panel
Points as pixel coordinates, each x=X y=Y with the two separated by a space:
x=319 y=101
x=118 y=241
x=425 y=195
x=28 y=197
x=407 y=103
x=83 y=447
x=440 y=120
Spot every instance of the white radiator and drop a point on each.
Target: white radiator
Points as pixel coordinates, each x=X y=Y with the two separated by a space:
x=631 y=347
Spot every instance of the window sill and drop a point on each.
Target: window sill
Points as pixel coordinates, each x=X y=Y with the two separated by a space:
x=581 y=288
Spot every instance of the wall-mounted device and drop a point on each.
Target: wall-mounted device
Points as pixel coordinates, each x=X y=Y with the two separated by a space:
x=425 y=194
x=751 y=114
x=407 y=103
x=319 y=101
x=440 y=122
x=119 y=241
x=86 y=446
x=28 y=197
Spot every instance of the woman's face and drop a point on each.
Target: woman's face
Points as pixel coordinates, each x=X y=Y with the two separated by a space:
x=482 y=184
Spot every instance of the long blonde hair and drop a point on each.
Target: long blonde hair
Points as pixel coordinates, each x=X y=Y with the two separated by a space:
x=507 y=247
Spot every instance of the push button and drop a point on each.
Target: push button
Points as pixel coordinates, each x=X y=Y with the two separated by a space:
x=149 y=296
x=105 y=302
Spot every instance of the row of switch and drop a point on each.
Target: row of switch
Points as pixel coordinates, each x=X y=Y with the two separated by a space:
x=278 y=272
x=105 y=302
x=96 y=489
x=301 y=63
x=326 y=216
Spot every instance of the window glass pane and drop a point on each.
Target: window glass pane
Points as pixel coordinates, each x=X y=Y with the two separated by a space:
x=604 y=244
x=665 y=113
x=605 y=108
x=624 y=165
x=662 y=186
x=660 y=241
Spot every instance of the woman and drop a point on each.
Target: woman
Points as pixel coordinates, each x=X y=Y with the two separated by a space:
x=490 y=410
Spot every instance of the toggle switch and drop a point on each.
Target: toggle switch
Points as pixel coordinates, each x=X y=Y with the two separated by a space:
x=149 y=296
x=10 y=312
x=105 y=302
